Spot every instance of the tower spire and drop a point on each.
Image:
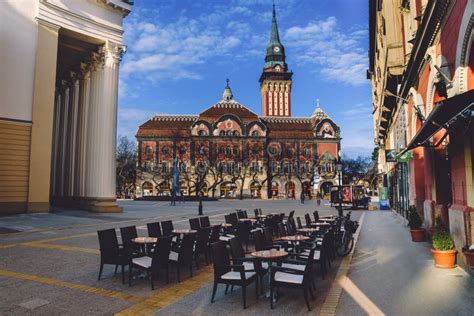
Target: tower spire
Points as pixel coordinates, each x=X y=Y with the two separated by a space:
x=227 y=96
x=274 y=37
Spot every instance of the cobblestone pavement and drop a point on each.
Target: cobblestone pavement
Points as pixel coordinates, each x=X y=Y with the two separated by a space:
x=50 y=265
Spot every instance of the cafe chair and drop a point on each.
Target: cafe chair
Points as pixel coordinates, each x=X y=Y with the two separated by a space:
x=291 y=278
x=205 y=222
x=127 y=234
x=298 y=220
x=167 y=228
x=154 y=229
x=249 y=263
x=234 y=275
x=194 y=223
x=154 y=264
x=111 y=252
x=202 y=243
x=307 y=219
x=184 y=254
x=316 y=216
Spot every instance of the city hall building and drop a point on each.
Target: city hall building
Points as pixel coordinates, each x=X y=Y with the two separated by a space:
x=228 y=151
x=58 y=108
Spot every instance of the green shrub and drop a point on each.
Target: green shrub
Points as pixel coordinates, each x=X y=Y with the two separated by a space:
x=442 y=240
x=414 y=219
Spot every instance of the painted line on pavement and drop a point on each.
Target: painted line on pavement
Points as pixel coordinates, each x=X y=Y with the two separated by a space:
x=331 y=301
x=60 y=247
x=74 y=286
x=168 y=296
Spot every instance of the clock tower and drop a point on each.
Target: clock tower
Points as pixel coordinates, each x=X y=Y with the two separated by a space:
x=275 y=81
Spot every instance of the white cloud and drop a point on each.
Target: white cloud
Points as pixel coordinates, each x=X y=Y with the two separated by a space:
x=129 y=118
x=336 y=55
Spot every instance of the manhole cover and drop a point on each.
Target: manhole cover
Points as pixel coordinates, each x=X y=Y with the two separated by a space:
x=34 y=303
x=5 y=230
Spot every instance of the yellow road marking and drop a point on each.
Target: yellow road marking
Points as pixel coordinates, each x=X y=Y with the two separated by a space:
x=70 y=285
x=332 y=299
x=60 y=247
x=28 y=243
x=168 y=296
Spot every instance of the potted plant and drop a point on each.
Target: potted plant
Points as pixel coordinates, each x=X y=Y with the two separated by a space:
x=443 y=251
x=468 y=252
x=414 y=221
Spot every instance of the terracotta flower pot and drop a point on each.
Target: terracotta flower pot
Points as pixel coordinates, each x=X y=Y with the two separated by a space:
x=469 y=256
x=417 y=234
x=445 y=259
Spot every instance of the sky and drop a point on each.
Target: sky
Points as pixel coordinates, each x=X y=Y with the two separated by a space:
x=180 y=53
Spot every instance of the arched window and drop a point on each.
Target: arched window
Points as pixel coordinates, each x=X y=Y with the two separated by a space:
x=148 y=152
x=222 y=133
x=255 y=133
x=202 y=133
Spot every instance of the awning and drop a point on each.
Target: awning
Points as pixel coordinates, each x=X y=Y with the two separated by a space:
x=445 y=114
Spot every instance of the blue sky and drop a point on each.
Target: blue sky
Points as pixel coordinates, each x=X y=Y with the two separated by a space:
x=179 y=54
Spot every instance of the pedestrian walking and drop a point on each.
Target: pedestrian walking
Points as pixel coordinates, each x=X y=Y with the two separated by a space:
x=173 y=198
x=318 y=198
x=302 y=197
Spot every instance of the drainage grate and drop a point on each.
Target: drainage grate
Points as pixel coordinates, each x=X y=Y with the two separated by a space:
x=5 y=230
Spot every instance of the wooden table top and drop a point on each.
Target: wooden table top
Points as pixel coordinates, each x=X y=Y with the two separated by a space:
x=184 y=231
x=226 y=225
x=145 y=240
x=295 y=238
x=320 y=224
x=307 y=230
x=269 y=254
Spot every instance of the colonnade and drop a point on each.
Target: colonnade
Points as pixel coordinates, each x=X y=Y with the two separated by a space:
x=84 y=138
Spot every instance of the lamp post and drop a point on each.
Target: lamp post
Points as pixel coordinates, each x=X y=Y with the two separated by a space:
x=339 y=171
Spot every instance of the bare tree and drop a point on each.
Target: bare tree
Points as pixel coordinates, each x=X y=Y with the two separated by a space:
x=125 y=167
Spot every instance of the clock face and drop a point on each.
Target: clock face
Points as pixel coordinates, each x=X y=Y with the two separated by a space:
x=276 y=49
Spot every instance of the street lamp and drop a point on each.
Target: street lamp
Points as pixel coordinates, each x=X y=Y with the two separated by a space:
x=339 y=172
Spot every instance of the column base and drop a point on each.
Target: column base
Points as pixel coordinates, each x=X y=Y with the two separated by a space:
x=102 y=205
x=38 y=207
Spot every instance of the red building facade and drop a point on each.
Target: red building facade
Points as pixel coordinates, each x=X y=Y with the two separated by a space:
x=229 y=151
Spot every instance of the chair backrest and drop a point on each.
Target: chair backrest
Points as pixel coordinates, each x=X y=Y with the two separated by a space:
x=203 y=237
x=292 y=213
x=215 y=233
x=205 y=222
x=291 y=226
x=162 y=252
x=108 y=242
x=260 y=243
x=194 y=223
x=307 y=218
x=260 y=211
x=236 y=248
x=240 y=214
x=154 y=229
x=268 y=233
x=282 y=230
x=255 y=211
x=167 y=228
x=227 y=219
x=128 y=233
x=245 y=214
x=234 y=220
x=316 y=216
x=281 y=218
x=220 y=258
x=243 y=231
x=185 y=253
x=298 y=219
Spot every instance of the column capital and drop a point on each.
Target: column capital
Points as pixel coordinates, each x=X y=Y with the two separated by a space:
x=97 y=60
x=85 y=68
x=114 y=51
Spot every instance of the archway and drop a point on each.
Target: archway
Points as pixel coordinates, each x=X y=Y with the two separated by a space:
x=228 y=190
x=290 y=189
x=255 y=190
x=325 y=189
x=147 y=188
x=275 y=190
x=307 y=190
x=164 y=188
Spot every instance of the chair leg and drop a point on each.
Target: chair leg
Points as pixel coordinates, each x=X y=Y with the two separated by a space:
x=232 y=288
x=123 y=274
x=226 y=289
x=261 y=284
x=152 y=280
x=271 y=295
x=305 y=293
x=191 y=268
x=311 y=293
x=243 y=295
x=100 y=270
x=214 y=289
x=179 y=276
x=167 y=275
x=130 y=276
x=256 y=288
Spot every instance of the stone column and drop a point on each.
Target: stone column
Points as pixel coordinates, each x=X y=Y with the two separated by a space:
x=81 y=136
x=63 y=139
x=57 y=115
x=102 y=130
x=71 y=134
x=42 y=117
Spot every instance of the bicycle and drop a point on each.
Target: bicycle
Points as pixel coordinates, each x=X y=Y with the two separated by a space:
x=345 y=240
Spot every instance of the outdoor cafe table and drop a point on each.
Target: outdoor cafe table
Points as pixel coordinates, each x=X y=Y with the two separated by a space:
x=145 y=241
x=269 y=255
x=307 y=230
x=320 y=225
x=247 y=220
x=294 y=239
x=184 y=231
